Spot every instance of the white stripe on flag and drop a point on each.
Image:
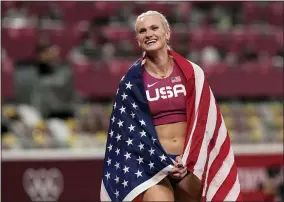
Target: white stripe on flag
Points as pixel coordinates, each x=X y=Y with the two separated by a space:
x=215 y=151
x=210 y=127
x=234 y=192
x=104 y=194
x=220 y=176
x=198 y=91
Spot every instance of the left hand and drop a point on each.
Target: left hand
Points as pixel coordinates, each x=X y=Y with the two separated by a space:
x=178 y=171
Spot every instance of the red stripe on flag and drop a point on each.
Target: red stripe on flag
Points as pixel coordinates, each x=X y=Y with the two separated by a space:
x=226 y=186
x=218 y=161
x=190 y=108
x=240 y=198
x=212 y=142
x=199 y=132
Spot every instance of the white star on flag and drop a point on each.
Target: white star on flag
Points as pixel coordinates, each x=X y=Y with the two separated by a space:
x=138 y=173
x=117 y=91
x=118 y=137
x=127 y=155
x=113 y=119
x=163 y=157
x=114 y=106
x=117 y=165
x=117 y=151
x=120 y=123
x=131 y=128
x=134 y=105
x=108 y=161
x=128 y=85
x=143 y=133
x=142 y=122
x=151 y=151
x=151 y=165
x=116 y=179
x=122 y=109
x=125 y=183
x=107 y=175
x=154 y=139
x=129 y=141
x=132 y=115
x=126 y=169
x=116 y=193
x=140 y=160
x=141 y=146
x=111 y=133
x=124 y=96
x=109 y=147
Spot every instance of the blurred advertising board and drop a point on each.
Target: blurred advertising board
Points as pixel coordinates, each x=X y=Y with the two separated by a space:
x=64 y=175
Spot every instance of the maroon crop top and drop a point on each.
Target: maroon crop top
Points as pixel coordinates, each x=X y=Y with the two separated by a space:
x=166 y=97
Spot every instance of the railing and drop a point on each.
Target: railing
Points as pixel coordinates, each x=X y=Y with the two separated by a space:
x=98 y=153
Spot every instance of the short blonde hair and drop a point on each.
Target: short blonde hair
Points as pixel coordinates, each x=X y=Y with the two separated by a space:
x=163 y=18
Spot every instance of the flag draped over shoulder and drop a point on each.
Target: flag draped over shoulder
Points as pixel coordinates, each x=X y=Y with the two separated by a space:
x=135 y=160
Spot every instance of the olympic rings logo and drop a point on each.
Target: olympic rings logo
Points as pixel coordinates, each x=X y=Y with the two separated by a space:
x=43 y=184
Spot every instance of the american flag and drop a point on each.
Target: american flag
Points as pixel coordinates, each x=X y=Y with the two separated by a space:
x=134 y=158
x=175 y=79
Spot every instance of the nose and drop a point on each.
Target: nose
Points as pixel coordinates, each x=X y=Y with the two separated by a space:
x=148 y=34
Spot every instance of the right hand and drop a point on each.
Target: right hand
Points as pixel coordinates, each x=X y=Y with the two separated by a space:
x=179 y=170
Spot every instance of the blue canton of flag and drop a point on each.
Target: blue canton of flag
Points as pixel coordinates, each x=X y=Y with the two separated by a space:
x=134 y=158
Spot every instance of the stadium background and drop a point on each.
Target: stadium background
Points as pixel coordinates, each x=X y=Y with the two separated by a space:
x=60 y=67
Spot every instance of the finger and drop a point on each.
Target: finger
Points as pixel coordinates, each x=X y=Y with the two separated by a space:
x=178 y=165
x=177 y=169
x=178 y=175
x=184 y=169
x=179 y=161
x=181 y=172
x=174 y=170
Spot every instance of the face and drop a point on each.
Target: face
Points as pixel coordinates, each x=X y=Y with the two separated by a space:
x=151 y=34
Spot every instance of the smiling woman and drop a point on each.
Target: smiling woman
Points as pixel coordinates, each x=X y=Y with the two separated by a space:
x=168 y=107
x=180 y=118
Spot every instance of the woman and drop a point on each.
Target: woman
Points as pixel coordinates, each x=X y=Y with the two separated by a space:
x=166 y=97
x=153 y=36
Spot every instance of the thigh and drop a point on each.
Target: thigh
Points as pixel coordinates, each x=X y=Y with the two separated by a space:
x=163 y=191
x=188 y=189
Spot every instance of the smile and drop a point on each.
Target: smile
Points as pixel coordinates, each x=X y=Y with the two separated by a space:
x=151 y=42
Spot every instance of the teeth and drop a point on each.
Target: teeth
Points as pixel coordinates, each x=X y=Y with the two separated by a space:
x=152 y=41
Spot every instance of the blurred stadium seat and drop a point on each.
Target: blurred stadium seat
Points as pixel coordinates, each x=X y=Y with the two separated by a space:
x=97 y=41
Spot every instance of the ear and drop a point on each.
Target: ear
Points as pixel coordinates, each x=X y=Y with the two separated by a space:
x=137 y=41
x=168 y=35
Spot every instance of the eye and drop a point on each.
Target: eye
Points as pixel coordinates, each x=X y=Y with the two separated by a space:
x=155 y=28
x=142 y=30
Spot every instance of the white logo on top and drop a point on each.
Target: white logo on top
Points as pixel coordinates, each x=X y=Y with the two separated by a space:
x=166 y=92
x=150 y=85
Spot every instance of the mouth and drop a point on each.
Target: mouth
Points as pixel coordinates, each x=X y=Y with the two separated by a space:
x=150 y=42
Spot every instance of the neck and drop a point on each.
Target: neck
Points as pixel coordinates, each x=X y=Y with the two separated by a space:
x=159 y=63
